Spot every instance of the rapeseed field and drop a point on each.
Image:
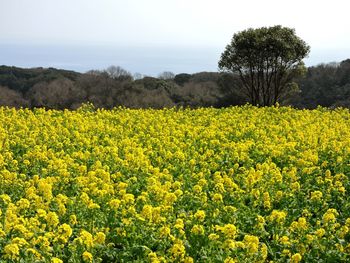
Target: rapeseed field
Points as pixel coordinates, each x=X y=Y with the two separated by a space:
x=240 y=184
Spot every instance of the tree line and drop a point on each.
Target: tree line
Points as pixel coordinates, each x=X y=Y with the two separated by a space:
x=261 y=66
x=325 y=84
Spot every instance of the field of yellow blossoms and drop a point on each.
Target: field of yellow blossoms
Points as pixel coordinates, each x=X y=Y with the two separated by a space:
x=240 y=184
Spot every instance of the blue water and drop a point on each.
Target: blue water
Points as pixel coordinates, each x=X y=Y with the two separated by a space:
x=145 y=60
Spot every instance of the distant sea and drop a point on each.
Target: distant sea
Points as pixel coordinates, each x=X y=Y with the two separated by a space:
x=145 y=60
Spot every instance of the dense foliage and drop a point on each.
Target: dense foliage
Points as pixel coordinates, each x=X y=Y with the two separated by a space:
x=326 y=85
x=267 y=60
x=20 y=79
x=239 y=184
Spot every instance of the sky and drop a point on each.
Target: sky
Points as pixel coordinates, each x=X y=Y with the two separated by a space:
x=151 y=36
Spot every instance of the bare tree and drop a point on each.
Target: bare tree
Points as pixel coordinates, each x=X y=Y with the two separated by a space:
x=137 y=76
x=117 y=72
x=166 y=75
x=60 y=93
x=11 y=98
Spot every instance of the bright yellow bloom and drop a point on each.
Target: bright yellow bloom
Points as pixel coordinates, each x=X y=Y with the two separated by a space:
x=164 y=231
x=229 y=230
x=316 y=195
x=52 y=219
x=188 y=260
x=329 y=216
x=230 y=260
x=86 y=238
x=179 y=224
x=213 y=236
x=73 y=219
x=296 y=258
x=100 y=238
x=156 y=182
x=197 y=230
x=217 y=197
x=87 y=256
x=153 y=257
x=320 y=232
x=278 y=216
x=200 y=215
x=251 y=243
x=178 y=250
x=11 y=251
x=56 y=260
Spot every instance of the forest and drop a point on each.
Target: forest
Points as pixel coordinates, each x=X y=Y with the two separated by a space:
x=326 y=85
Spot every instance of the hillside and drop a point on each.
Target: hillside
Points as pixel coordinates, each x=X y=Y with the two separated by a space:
x=326 y=85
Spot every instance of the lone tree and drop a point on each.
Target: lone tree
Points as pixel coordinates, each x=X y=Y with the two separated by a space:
x=267 y=60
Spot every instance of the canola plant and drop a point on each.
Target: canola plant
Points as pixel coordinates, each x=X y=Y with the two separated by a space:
x=240 y=184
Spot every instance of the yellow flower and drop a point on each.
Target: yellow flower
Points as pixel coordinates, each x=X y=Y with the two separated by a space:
x=153 y=257
x=200 y=215
x=266 y=199
x=164 y=231
x=178 y=250
x=197 y=189
x=229 y=244
x=100 y=238
x=277 y=216
x=229 y=230
x=263 y=251
x=41 y=213
x=213 y=236
x=219 y=187
x=86 y=238
x=179 y=224
x=279 y=195
x=299 y=225
x=87 y=256
x=316 y=195
x=202 y=182
x=188 y=260
x=64 y=232
x=73 y=220
x=114 y=204
x=197 y=230
x=296 y=258
x=170 y=198
x=129 y=198
x=23 y=203
x=329 y=216
x=5 y=198
x=284 y=240
x=56 y=260
x=347 y=222
x=230 y=260
x=320 y=232
x=11 y=251
x=310 y=238
x=302 y=223
x=295 y=186
x=52 y=219
x=251 y=243
x=93 y=205
x=217 y=197
x=147 y=212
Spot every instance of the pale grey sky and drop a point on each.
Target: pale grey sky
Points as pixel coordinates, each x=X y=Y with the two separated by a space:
x=36 y=31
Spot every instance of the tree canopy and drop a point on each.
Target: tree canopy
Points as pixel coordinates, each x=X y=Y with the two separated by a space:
x=267 y=61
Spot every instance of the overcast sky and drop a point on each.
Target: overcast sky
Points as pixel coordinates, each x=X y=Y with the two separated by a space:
x=153 y=35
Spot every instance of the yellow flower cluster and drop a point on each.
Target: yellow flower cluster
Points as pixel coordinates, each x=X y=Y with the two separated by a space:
x=240 y=184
